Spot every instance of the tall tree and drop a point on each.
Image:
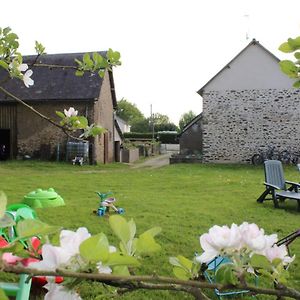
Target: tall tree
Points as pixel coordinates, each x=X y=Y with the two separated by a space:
x=186 y=118
x=129 y=112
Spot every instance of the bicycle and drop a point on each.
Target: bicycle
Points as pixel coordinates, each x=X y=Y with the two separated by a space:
x=287 y=157
x=270 y=154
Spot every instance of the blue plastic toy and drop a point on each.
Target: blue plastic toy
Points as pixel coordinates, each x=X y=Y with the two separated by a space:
x=106 y=201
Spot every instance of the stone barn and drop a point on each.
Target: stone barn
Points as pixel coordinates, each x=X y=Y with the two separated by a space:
x=249 y=105
x=55 y=89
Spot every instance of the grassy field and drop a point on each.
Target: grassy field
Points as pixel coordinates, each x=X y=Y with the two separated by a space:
x=185 y=200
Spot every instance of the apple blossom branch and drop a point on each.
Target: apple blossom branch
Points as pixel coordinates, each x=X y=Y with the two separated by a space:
x=63 y=128
x=132 y=283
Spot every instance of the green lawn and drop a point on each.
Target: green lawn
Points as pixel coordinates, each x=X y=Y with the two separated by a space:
x=184 y=199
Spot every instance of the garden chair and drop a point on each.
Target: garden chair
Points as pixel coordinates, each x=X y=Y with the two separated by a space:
x=276 y=185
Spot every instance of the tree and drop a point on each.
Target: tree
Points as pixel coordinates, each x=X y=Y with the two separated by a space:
x=129 y=112
x=141 y=125
x=186 y=118
x=289 y=67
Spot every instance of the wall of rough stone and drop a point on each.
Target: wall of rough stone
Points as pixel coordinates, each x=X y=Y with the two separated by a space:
x=37 y=137
x=237 y=124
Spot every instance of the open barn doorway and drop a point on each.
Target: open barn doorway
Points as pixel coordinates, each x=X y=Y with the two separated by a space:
x=4 y=144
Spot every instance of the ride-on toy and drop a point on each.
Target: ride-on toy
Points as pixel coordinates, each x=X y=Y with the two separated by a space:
x=106 y=201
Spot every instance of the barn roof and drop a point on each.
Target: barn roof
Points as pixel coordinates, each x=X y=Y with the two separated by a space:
x=191 y=123
x=253 y=42
x=56 y=83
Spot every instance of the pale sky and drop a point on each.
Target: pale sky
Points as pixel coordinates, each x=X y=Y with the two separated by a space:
x=169 y=48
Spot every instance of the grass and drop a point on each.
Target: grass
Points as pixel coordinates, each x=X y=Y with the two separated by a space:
x=184 y=199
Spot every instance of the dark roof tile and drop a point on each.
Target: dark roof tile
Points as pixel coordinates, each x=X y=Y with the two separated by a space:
x=55 y=83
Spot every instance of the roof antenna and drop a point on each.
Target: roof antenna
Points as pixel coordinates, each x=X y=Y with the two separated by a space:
x=247 y=17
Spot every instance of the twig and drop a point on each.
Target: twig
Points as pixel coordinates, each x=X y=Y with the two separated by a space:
x=123 y=280
x=64 y=129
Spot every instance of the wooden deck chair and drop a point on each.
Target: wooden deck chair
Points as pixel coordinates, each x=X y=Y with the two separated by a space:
x=277 y=186
x=20 y=290
x=287 y=240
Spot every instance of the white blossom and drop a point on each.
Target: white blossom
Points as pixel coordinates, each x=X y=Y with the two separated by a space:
x=59 y=292
x=26 y=78
x=71 y=112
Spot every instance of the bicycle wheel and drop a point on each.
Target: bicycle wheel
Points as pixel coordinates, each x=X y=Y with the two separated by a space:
x=257 y=159
x=285 y=157
x=295 y=159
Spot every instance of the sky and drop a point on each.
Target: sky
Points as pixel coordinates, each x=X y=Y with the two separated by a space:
x=169 y=48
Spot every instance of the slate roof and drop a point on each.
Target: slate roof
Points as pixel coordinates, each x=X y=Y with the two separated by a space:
x=191 y=123
x=253 y=42
x=57 y=83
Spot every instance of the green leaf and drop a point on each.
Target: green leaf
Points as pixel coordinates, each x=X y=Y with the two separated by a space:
x=83 y=122
x=3 y=295
x=87 y=61
x=225 y=274
x=101 y=73
x=174 y=261
x=79 y=73
x=294 y=43
x=297 y=55
x=96 y=130
x=3 y=202
x=132 y=229
x=146 y=244
x=120 y=228
x=32 y=227
x=260 y=262
x=3 y=64
x=6 y=30
x=115 y=259
x=289 y=68
x=120 y=270
x=296 y=84
x=60 y=114
x=95 y=248
x=153 y=231
x=186 y=263
x=180 y=273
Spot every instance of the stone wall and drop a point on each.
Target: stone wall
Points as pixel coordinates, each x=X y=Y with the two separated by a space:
x=237 y=124
x=37 y=137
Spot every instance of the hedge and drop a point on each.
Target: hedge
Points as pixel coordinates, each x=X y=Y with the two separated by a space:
x=162 y=137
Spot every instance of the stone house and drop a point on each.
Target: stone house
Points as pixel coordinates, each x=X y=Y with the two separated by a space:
x=190 y=138
x=54 y=89
x=247 y=106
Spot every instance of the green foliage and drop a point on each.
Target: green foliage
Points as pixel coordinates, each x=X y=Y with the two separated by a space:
x=288 y=67
x=184 y=268
x=95 y=248
x=186 y=118
x=129 y=244
x=39 y=48
x=2 y=295
x=129 y=112
x=32 y=227
x=185 y=200
x=167 y=137
x=226 y=274
x=97 y=63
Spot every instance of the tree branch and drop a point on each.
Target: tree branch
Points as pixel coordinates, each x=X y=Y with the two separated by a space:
x=125 y=280
x=64 y=129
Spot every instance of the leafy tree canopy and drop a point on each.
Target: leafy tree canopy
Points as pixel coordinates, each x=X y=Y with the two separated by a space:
x=186 y=118
x=129 y=112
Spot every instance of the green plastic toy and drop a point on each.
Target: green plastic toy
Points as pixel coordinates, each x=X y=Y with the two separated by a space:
x=43 y=198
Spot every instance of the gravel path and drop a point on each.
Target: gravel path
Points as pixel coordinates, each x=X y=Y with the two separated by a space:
x=153 y=162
